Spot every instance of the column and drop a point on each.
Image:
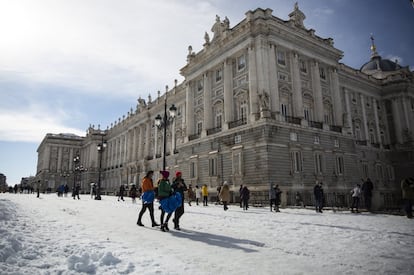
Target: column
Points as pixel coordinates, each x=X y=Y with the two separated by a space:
x=228 y=93
x=142 y=142
x=253 y=88
x=337 y=103
x=147 y=138
x=189 y=107
x=59 y=164
x=273 y=82
x=207 y=124
x=348 y=112
x=375 y=106
x=134 y=144
x=262 y=66
x=172 y=137
x=296 y=87
x=407 y=122
x=317 y=92
x=397 y=119
x=71 y=156
x=155 y=142
x=364 y=118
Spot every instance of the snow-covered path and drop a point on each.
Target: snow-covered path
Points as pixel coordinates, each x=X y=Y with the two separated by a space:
x=54 y=235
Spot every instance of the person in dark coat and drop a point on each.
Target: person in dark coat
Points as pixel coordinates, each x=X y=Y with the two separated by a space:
x=180 y=187
x=407 y=188
x=278 y=193
x=121 y=192
x=76 y=191
x=367 y=188
x=318 y=193
x=240 y=191
x=245 y=196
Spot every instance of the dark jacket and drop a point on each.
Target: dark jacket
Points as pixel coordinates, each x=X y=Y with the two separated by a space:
x=367 y=188
x=245 y=193
x=318 y=192
x=179 y=186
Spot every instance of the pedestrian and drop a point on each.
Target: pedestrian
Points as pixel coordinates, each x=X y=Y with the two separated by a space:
x=204 y=192
x=278 y=192
x=356 y=193
x=76 y=191
x=190 y=193
x=164 y=192
x=38 y=189
x=299 y=200
x=407 y=187
x=148 y=196
x=245 y=196
x=240 y=190
x=318 y=193
x=66 y=190
x=197 y=194
x=133 y=193
x=367 y=188
x=224 y=195
x=272 y=197
x=180 y=187
x=121 y=192
x=218 y=194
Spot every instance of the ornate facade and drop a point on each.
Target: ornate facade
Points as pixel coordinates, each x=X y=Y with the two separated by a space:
x=264 y=102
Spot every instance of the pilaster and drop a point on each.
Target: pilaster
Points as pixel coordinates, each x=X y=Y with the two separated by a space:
x=297 y=99
x=338 y=112
x=253 y=88
x=317 y=91
x=228 y=94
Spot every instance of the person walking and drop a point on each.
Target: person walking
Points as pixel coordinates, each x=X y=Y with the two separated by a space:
x=93 y=190
x=407 y=187
x=272 y=197
x=356 y=193
x=318 y=193
x=204 y=192
x=148 y=196
x=133 y=193
x=245 y=196
x=190 y=193
x=367 y=188
x=224 y=195
x=121 y=192
x=180 y=187
x=278 y=193
x=164 y=192
x=240 y=193
x=197 y=194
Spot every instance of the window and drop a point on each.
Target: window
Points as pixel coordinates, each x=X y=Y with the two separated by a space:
x=371 y=136
x=358 y=132
x=306 y=113
x=322 y=73
x=336 y=143
x=293 y=136
x=218 y=121
x=339 y=165
x=199 y=127
x=237 y=163
x=365 y=172
x=281 y=60
x=212 y=167
x=316 y=140
x=219 y=75
x=284 y=110
x=243 y=111
x=237 y=139
x=193 y=169
x=303 y=68
x=200 y=85
x=296 y=161
x=390 y=172
x=382 y=135
x=378 y=168
x=318 y=163
x=241 y=63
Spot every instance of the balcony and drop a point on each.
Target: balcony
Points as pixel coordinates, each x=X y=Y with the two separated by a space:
x=237 y=123
x=192 y=137
x=376 y=145
x=213 y=131
x=387 y=146
x=316 y=124
x=335 y=128
x=293 y=120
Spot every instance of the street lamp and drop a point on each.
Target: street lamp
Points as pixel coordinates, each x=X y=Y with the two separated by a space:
x=76 y=161
x=101 y=148
x=162 y=123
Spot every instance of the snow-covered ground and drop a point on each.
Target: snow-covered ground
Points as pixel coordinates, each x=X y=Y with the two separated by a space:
x=54 y=235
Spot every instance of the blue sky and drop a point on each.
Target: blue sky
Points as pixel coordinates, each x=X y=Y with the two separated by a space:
x=69 y=63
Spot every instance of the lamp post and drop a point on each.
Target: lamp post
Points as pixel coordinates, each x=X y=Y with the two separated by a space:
x=163 y=122
x=101 y=148
x=76 y=161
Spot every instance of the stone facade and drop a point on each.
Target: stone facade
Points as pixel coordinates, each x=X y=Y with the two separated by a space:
x=265 y=102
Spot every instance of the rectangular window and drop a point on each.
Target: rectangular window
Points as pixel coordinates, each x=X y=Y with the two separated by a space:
x=218 y=120
x=199 y=127
x=316 y=140
x=281 y=60
x=284 y=110
x=200 y=85
x=193 y=170
x=379 y=171
x=296 y=161
x=219 y=75
x=318 y=163
x=365 y=172
x=237 y=163
x=322 y=73
x=306 y=113
x=303 y=68
x=212 y=167
x=241 y=63
x=339 y=165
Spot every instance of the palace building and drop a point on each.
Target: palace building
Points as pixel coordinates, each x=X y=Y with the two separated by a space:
x=264 y=102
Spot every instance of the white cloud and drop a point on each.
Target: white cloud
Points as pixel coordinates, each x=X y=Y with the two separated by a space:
x=33 y=124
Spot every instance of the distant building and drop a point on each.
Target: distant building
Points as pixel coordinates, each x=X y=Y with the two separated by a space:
x=266 y=101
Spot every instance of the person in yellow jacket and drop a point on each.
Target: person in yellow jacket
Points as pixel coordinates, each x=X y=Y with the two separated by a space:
x=204 y=193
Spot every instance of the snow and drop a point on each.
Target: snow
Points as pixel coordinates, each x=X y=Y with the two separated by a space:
x=53 y=235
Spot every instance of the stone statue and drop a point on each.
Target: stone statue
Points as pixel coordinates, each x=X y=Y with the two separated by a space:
x=207 y=38
x=226 y=23
x=142 y=102
x=264 y=101
x=217 y=28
